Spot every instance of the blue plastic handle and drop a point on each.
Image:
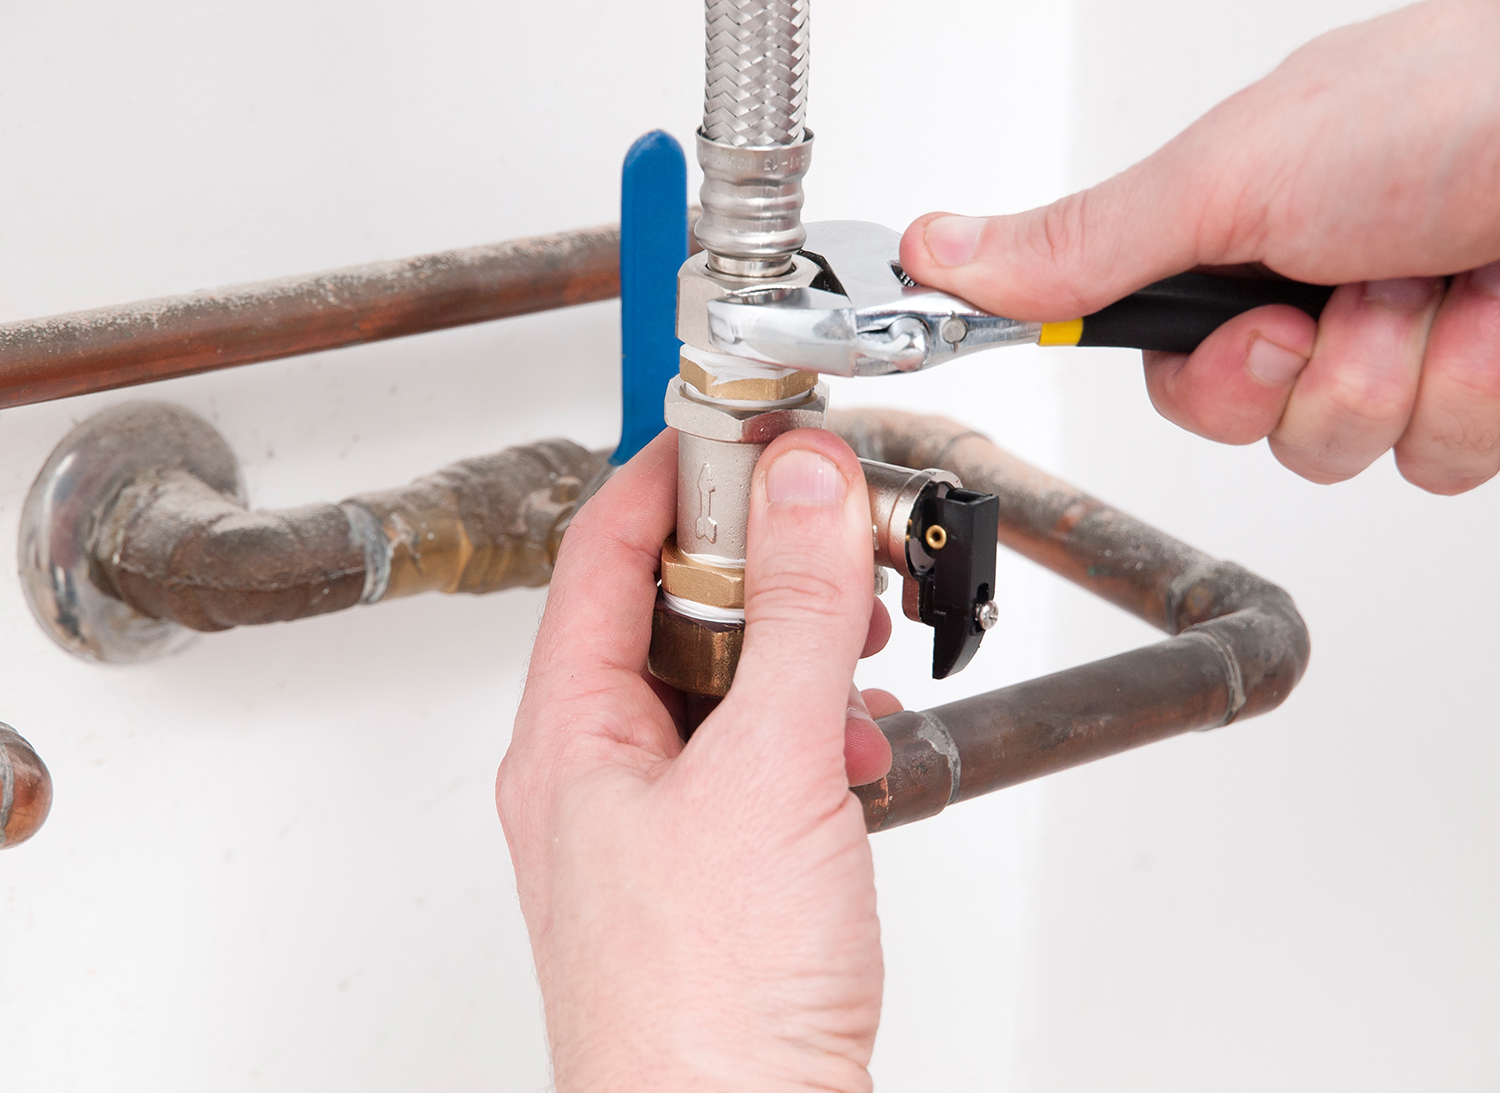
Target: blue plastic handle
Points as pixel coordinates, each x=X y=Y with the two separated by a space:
x=653 y=245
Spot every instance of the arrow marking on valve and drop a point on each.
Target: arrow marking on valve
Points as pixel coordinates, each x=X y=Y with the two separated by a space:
x=707 y=527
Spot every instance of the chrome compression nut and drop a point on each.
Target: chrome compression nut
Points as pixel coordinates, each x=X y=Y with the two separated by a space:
x=697 y=284
x=713 y=420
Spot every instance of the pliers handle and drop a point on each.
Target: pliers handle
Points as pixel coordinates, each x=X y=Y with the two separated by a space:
x=1177 y=314
x=862 y=315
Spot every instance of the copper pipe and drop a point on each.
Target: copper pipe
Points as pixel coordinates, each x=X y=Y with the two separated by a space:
x=182 y=547
x=64 y=355
x=1239 y=645
x=25 y=789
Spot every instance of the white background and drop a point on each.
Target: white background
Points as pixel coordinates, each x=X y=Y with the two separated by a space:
x=273 y=860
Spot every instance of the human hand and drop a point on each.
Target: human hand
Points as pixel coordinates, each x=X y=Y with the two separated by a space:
x=703 y=917
x=1370 y=159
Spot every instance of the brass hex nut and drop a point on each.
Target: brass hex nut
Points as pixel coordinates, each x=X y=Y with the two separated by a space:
x=768 y=388
x=741 y=426
x=698 y=581
x=693 y=655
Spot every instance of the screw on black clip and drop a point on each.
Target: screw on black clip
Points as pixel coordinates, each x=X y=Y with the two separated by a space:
x=955 y=528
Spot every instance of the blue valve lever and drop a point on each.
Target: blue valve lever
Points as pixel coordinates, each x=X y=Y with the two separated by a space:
x=653 y=246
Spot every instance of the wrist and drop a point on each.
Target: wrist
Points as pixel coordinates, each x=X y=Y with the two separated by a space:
x=663 y=1055
x=628 y=1072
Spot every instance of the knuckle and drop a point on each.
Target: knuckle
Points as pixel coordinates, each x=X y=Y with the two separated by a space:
x=1460 y=435
x=1367 y=399
x=1474 y=378
x=1230 y=219
x=795 y=593
x=1444 y=481
x=508 y=796
x=1059 y=238
x=1063 y=228
x=1324 y=463
x=1449 y=455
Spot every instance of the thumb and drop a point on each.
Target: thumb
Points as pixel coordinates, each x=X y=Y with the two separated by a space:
x=1071 y=258
x=809 y=584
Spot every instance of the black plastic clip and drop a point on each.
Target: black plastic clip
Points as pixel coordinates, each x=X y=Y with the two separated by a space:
x=953 y=531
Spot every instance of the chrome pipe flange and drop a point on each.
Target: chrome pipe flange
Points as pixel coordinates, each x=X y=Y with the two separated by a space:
x=61 y=522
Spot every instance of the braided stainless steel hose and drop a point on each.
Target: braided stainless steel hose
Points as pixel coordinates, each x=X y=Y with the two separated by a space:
x=754 y=146
x=755 y=79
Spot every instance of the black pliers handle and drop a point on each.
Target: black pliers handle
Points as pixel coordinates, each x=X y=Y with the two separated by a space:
x=1177 y=314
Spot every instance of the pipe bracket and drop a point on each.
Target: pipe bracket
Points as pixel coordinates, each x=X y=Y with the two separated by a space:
x=61 y=523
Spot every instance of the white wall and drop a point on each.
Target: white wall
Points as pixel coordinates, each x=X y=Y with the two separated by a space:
x=1308 y=901
x=273 y=860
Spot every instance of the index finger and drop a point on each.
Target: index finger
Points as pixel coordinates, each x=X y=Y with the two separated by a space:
x=603 y=587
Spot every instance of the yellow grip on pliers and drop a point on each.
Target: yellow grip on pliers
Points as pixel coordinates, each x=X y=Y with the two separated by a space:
x=1066 y=333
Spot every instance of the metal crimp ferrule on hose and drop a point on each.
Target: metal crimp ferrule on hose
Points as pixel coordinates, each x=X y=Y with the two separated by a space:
x=754 y=147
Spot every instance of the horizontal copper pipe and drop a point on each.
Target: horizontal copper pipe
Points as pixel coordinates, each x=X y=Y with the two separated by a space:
x=1239 y=645
x=109 y=347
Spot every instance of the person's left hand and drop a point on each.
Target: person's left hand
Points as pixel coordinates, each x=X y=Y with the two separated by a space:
x=703 y=917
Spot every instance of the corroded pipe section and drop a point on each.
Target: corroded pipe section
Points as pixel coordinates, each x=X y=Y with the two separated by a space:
x=109 y=347
x=173 y=548
x=25 y=789
x=1239 y=645
x=139 y=513
x=478 y=526
x=139 y=522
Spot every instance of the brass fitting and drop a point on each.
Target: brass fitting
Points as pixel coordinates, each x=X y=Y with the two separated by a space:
x=766 y=388
x=477 y=526
x=698 y=581
x=693 y=655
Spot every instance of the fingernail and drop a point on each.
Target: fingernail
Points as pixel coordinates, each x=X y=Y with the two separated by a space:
x=1487 y=279
x=1273 y=365
x=952 y=240
x=1401 y=293
x=802 y=477
x=857 y=710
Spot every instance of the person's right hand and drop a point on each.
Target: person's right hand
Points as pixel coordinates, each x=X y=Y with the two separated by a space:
x=1370 y=159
